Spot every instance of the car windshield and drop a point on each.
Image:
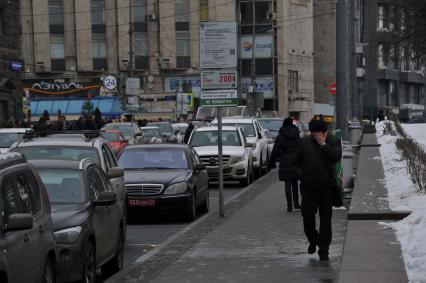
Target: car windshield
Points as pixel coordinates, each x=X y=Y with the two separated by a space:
x=163 y=127
x=272 y=125
x=7 y=139
x=209 y=138
x=58 y=153
x=63 y=185
x=149 y=133
x=153 y=158
x=247 y=128
x=111 y=137
x=126 y=130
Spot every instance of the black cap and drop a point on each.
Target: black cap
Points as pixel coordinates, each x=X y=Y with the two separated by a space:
x=318 y=126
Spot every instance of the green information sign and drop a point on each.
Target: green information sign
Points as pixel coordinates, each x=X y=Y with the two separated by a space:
x=219 y=97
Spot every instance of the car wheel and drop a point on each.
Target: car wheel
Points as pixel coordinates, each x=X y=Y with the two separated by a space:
x=49 y=272
x=204 y=208
x=89 y=268
x=116 y=263
x=191 y=213
x=258 y=172
x=246 y=181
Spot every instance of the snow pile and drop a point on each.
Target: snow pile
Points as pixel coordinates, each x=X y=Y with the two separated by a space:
x=403 y=195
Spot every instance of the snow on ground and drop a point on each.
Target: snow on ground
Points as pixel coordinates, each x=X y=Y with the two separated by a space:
x=404 y=195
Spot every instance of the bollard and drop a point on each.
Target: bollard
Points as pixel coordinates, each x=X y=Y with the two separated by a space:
x=347 y=165
x=355 y=132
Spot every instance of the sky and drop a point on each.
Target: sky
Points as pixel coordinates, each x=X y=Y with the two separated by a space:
x=404 y=195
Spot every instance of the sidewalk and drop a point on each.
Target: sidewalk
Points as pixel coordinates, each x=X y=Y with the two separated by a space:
x=261 y=242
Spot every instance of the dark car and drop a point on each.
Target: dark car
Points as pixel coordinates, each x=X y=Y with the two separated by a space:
x=26 y=232
x=168 y=133
x=129 y=130
x=164 y=177
x=116 y=140
x=88 y=222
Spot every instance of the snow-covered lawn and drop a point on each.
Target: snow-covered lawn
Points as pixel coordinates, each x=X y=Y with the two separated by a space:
x=404 y=195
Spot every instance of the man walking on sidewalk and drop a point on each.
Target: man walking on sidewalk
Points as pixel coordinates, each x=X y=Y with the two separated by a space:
x=315 y=163
x=285 y=147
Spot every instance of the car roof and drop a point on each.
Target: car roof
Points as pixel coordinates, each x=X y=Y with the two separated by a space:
x=149 y=128
x=163 y=145
x=235 y=120
x=62 y=164
x=276 y=118
x=10 y=159
x=15 y=130
x=157 y=123
x=61 y=140
x=214 y=128
x=119 y=124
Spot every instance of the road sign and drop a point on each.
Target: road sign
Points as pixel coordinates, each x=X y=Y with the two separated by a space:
x=332 y=88
x=182 y=103
x=216 y=79
x=133 y=86
x=110 y=82
x=218 y=45
x=219 y=97
x=132 y=103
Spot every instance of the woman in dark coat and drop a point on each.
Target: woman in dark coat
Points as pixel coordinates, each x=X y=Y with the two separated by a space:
x=285 y=148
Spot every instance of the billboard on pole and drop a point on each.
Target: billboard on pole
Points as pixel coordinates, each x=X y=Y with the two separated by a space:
x=219 y=79
x=218 y=45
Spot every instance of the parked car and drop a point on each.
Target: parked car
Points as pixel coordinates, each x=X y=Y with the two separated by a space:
x=26 y=231
x=181 y=127
x=168 y=134
x=116 y=140
x=271 y=124
x=88 y=222
x=417 y=121
x=10 y=136
x=130 y=131
x=237 y=154
x=271 y=141
x=73 y=146
x=164 y=177
x=151 y=134
x=254 y=135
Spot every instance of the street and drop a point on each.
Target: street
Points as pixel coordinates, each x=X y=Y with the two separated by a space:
x=144 y=234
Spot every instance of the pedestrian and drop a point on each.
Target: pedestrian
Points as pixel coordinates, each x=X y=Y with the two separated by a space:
x=285 y=148
x=315 y=161
x=188 y=132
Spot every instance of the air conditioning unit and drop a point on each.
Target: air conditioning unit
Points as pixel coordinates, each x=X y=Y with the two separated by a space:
x=270 y=16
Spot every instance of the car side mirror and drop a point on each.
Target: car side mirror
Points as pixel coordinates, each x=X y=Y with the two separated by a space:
x=19 y=221
x=138 y=135
x=106 y=198
x=115 y=172
x=249 y=144
x=200 y=167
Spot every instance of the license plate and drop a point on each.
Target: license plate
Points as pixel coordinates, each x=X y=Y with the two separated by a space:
x=141 y=202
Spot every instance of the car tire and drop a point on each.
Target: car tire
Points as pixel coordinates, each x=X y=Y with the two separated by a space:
x=191 y=213
x=49 y=272
x=246 y=181
x=259 y=171
x=116 y=263
x=204 y=208
x=89 y=265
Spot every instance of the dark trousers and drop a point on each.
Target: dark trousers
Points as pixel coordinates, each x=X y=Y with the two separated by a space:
x=314 y=199
x=291 y=192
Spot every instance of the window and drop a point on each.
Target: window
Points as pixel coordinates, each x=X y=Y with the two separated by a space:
x=261 y=10
x=95 y=182
x=140 y=40
x=57 y=48
x=35 y=190
x=246 y=13
x=99 y=45
x=139 y=11
x=10 y=198
x=97 y=8
x=24 y=194
x=381 y=61
x=293 y=81
x=381 y=17
x=204 y=10
x=181 y=11
x=56 y=12
x=182 y=49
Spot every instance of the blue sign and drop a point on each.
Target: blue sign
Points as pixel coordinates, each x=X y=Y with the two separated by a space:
x=16 y=66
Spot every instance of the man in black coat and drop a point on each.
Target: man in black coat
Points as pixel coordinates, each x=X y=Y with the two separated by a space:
x=315 y=163
x=285 y=148
x=188 y=132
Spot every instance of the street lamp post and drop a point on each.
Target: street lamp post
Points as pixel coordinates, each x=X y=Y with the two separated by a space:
x=341 y=68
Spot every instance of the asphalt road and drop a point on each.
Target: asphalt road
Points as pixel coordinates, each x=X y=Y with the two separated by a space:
x=143 y=234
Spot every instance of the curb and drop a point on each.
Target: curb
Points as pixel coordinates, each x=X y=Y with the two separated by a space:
x=382 y=215
x=149 y=265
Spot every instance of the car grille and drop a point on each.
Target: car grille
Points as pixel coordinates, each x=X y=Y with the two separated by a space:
x=144 y=189
x=208 y=160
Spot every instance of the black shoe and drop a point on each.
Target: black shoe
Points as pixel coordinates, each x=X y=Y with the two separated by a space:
x=312 y=248
x=323 y=255
x=289 y=209
x=296 y=206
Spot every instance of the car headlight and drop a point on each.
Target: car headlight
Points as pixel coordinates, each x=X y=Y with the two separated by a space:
x=237 y=158
x=177 y=188
x=69 y=235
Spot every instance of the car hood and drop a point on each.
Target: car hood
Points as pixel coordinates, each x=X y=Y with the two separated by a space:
x=212 y=150
x=68 y=215
x=162 y=176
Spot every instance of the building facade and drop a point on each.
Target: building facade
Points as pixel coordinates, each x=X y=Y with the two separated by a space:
x=10 y=63
x=71 y=47
x=388 y=74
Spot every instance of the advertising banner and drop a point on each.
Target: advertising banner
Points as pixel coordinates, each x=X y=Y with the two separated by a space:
x=262 y=45
x=219 y=79
x=218 y=45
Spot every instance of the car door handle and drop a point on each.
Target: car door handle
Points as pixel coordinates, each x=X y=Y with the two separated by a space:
x=26 y=238
x=41 y=229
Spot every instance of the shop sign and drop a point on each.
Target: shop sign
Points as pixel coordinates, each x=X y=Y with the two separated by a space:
x=264 y=85
x=262 y=46
x=218 y=98
x=56 y=86
x=219 y=79
x=174 y=84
